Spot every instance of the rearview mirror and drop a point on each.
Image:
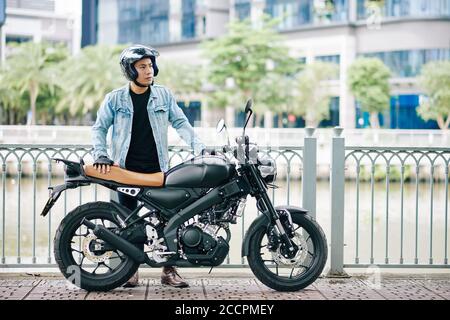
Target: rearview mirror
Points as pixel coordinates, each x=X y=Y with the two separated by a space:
x=220 y=126
x=248 y=106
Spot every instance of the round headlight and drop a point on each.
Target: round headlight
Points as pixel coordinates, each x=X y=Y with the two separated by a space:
x=268 y=168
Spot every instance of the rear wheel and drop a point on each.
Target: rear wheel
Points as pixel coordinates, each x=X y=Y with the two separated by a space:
x=86 y=260
x=298 y=272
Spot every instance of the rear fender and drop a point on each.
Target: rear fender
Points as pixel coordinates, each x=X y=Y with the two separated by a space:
x=57 y=190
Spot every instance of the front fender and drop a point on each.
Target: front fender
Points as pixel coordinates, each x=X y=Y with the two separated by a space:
x=263 y=221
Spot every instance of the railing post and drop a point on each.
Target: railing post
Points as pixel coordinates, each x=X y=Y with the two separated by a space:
x=309 y=171
x=337 y=183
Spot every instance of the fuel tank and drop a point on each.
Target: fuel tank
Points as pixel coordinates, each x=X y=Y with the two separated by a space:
x=200 y=172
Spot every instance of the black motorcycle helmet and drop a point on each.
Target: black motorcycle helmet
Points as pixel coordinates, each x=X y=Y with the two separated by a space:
x=135 y=53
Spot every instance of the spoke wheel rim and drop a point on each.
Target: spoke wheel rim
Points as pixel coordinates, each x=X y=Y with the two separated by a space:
x=78 y=257
x=296 y=270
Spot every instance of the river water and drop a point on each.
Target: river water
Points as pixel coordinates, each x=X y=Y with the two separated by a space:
x=427 y=228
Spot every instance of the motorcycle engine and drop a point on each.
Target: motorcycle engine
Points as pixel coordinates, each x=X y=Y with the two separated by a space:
x=202 y=246
x=196 y=241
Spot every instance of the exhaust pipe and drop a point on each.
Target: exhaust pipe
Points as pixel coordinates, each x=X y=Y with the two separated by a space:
x=119 y=243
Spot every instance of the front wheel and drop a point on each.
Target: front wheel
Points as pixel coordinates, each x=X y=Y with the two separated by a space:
x=298 y=272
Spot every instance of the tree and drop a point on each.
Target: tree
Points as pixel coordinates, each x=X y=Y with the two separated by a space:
x=435 y=83
x=245 y=57
x=46 y=103
x=323 y=9
x=368 y=79
x=29 y=68
x=184 y=80
x=274 y=93
x=87 y=77
x=312 y=97
x=12 y=101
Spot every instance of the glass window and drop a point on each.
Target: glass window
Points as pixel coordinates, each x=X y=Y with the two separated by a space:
x=128 y=19
x=340 y=12
x=188 y=19
x=2 y=12
x=17 y=39
x=301 y=12
x=294 y=13
x=155 y=21
x=143 y=21
x=45 y=5
x=242 y=8
x=403 y=114
x=408 y=8
x=409 y=63
x=331 y=59
x=333 y=119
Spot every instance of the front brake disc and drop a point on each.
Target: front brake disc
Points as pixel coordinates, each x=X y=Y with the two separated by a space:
x=299 y=257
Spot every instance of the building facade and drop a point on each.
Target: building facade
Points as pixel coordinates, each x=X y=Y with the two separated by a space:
x=160 y=21
x=39 y=20
x=404 y=34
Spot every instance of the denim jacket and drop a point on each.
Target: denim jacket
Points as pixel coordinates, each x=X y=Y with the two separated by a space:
x=116 y=110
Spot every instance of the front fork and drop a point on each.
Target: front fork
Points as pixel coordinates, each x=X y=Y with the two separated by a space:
x=266 y=207
x=281 y=229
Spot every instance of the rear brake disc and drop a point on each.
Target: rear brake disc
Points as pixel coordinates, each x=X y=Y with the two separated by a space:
x=92 y=256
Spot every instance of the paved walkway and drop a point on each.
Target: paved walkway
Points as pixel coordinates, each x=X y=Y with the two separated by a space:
x=234 y=286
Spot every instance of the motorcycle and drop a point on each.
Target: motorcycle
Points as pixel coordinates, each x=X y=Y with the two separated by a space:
x=184 y=210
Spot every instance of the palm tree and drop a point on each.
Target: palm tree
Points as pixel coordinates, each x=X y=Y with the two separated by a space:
x=87 y=77
x=29 y=68
x=11 y=100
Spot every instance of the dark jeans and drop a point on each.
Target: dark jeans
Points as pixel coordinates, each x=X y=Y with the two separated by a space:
x=131 y=203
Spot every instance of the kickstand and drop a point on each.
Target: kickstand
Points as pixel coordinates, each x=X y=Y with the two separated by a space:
x=210 y=270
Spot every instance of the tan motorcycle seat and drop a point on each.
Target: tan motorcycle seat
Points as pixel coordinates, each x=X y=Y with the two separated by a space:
x=127 y=177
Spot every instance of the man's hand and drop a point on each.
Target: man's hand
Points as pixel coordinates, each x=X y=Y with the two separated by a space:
x=103 y=164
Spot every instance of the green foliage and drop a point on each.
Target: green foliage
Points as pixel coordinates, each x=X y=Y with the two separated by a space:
x=274 y=93
x=374 y=3
x=255 y=59
x=312 y=98
x=13 y=102
x=381 y=173
x=86 y=78
x=184 y=80
x=10 y=99
x=323 y=9
x=368 y=79
x=27 y=71
x=435 y=83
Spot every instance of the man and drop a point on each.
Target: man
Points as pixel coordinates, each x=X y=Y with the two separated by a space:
x=139 y=114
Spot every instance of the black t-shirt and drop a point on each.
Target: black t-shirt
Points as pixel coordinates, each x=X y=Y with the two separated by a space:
x=142 y=154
